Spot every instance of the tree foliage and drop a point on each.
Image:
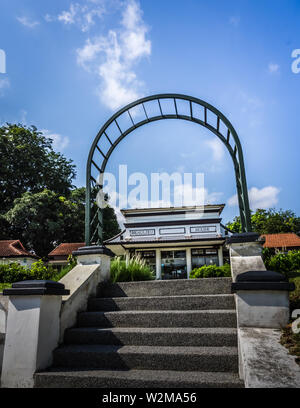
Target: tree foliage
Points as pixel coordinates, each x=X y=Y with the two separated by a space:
x=44 y=220
x=29 y=164
x=39 y=204
x=269 y=222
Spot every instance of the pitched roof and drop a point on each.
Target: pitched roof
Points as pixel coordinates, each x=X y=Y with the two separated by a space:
x=66 y=248
x=281 y=240
x=13 y=248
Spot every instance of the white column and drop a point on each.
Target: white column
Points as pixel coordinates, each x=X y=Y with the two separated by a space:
x=32 y=335
x=188 y=261
x=220 y=255
x=158 y=264
x=127 y=257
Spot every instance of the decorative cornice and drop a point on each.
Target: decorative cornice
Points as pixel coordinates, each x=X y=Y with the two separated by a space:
x=166 y=223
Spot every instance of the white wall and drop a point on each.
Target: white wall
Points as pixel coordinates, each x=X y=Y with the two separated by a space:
x=26 y=261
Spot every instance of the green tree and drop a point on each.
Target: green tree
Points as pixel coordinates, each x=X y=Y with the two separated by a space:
x=29 y=164
x=45 y=219
x=269 y=222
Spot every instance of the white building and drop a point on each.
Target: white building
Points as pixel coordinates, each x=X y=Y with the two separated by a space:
x=13 y=251
x=173 y=240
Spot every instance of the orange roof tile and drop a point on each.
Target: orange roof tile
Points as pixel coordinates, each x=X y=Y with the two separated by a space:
x=14 y=248
x=66 y=248
x=284 y=240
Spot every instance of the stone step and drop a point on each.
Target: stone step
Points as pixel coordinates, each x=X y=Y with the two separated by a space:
x=207 y=286
x=165 y=318
x=191 y=302
x=216 y=337
x=136 y=379
x=215 y=359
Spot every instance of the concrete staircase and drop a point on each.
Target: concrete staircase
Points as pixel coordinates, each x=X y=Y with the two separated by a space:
x=178 y=333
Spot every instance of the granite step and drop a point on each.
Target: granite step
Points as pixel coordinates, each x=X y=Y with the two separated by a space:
x=107 y=357
x=178 y=287
x=191 y=302
x=161 y=318
x=213 y=337
x=136 y=379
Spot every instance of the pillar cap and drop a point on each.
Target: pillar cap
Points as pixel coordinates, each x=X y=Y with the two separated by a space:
x=36 y=287
x=245 y=237
x=93 y=250
x=262 y=280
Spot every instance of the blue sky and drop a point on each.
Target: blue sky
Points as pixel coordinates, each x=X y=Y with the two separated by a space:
x=71 y=64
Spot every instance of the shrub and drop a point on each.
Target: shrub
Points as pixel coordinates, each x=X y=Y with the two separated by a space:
x=136 y=270
x=39 y=270
x=287 y=264
x=211 y=271
x=14 y=272
x=72 y=262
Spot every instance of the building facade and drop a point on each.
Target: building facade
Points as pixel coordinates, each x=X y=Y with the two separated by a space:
x=59 y=256
x=283 y=242
x=13 y=251
x=173 y=240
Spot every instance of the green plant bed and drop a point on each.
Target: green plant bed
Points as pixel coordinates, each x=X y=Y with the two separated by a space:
x=211 y=271
x=136 y=270
x=4 y=286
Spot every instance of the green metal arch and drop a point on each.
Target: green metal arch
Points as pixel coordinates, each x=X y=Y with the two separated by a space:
x=93 y=225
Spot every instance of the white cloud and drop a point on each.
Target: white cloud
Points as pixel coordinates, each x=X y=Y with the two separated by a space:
x=59 y=142
x=4 y=84
x=68 y=17
x=273 y=68
x=81 y=15
x=114 y=56
x=217 y=148
x=234 y=21
x=27 y=22
x=49 y=18
x=265 y=197
x=251 y=107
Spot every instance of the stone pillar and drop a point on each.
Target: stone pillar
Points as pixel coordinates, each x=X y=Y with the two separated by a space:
x=188 y=261
x=158 y=263
x=32 y=331
x=91 y=255
x=245 y=253
x=262 y=299
x=220 y=256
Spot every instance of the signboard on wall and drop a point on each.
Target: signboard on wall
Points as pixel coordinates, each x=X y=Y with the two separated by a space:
x=204 y=228
x=169 y=231
x=143 y=232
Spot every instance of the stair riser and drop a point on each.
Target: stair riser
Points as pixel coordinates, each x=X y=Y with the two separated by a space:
x=51 y=381
x=151 y=339
x=95 y=319
x=148 y=361
x=208 y=286
x=176 y=303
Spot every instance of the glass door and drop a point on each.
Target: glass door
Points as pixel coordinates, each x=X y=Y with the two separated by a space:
x=173 y=264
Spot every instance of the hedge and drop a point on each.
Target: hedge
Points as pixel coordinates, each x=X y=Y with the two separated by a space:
x=211 y=271
x=287 y=264
x=14 y=272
